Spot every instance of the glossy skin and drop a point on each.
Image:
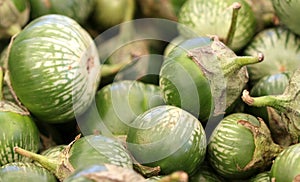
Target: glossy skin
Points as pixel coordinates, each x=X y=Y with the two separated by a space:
x=281 y=51
x=54 y=68
x=20 y=171
x=202 y=17
x=117 y=104
x=16 y=129
x=287 y=165
x=287 y=12
x=97 y=149
x=168 y=137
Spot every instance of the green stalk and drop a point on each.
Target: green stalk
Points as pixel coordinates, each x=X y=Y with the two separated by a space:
x=275 y=102
x=235 y=9
x=236 y=63
x=51 y=165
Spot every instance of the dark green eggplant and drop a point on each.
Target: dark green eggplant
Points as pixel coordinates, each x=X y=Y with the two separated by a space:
x=287 y=13
x=25 y=171
x=168 y=137
x=14 y=15
x=241 y=146
x=82 y=152
x=204 y=77
x=286 y=166
x=79 y=10
x=116 y=105
x=281 y=49
x=233 y=21
x=284 y=108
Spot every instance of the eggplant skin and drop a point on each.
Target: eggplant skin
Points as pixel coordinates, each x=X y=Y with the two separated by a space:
x=286 y=166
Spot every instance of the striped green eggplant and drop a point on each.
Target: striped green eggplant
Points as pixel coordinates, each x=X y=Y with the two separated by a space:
x=218 y=17
x=286 y=166
x=204 y=77
x=17 y=129
x=287 y=12
x=281 y=49
x=54 y=68
x=285 y=107
x=14 y=15
x=241 y=146
x=168 y=137
x=79 y=10
x=25 y=171
x=82 y=152
x=117 y=104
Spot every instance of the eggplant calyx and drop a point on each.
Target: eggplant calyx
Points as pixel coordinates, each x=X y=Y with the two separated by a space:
x=61 y=168
x=265 y=148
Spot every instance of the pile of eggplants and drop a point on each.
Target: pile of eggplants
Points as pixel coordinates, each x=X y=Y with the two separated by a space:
x=221 y=101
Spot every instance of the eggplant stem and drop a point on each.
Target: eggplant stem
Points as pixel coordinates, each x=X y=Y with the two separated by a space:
x=240 y=61
x=275 y=102
x=50 y=165
x=235 y=9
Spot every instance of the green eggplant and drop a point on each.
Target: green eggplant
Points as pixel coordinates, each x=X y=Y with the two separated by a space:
x=286 y=166
x=241 y=146
x=284 y=108
x=17 y=129
x=281 y=50
x=167 y=137
x=54 y=68
x=116 y=105
x=204 y=77
x=233 y=21
x=287 y=13
x=82 y=152
x=25 y=171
